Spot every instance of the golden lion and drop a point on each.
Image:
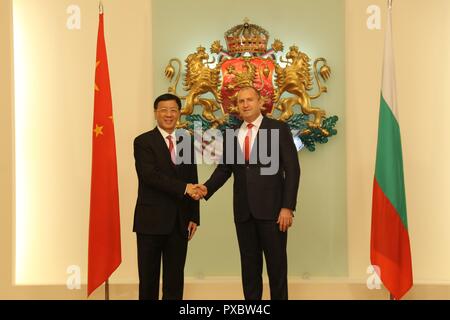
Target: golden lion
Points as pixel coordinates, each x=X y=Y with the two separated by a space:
x=199 y=79
x=295 y=79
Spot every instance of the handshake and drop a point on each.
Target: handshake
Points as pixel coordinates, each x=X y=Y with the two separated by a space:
x=196 y=191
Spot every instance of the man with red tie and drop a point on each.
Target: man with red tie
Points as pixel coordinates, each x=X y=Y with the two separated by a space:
x=264 y=200
x=165 y=218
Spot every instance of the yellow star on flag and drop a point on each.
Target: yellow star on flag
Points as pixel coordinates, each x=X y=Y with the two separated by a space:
x=98 y=130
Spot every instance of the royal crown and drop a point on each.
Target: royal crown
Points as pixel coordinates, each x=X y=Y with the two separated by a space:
x=247 y=38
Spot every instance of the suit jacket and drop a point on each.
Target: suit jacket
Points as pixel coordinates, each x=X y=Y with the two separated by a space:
x=261 y=196
x=161 y=199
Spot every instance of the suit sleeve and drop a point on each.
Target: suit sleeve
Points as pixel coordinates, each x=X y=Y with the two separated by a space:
x=220 y=175
x=151 y=176
x=194 y=206
x=218 y=178
x=289 y=161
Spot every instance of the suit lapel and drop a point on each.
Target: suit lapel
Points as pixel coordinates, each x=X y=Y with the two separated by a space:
x=161 y=147
x=180 y=152
x=256 y=142
x=237 y=147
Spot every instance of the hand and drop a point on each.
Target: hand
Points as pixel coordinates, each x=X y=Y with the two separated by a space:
x=285 y=219
x=202 y=190
x=191 y=190
x=196 y=191
x=192 y=227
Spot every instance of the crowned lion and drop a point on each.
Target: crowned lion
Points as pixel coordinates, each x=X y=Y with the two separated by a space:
x=199 y=79
x=296 y=79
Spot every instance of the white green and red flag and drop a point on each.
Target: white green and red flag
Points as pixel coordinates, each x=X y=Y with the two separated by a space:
x=390 y=247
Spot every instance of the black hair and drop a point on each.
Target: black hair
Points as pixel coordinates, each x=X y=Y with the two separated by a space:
x=167 y=97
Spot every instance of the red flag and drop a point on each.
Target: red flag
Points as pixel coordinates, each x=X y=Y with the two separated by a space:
x=104 y=224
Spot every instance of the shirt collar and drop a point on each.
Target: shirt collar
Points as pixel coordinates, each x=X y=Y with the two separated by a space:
x=256 y=123
x=164 y=133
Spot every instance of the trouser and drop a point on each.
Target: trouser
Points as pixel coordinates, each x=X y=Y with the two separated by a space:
x=172 y=249
x=256 y=237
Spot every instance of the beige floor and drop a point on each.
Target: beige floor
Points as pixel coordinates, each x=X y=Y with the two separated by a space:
x=230 y=289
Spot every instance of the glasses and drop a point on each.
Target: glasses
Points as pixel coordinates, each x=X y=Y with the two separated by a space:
x=165 y=110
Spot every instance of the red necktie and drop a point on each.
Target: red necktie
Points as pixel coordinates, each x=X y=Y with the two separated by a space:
x=171 y=148
x=248 y=139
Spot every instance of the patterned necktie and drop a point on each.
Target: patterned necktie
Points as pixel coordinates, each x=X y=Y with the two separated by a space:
x=248 y=139
x=171 y=148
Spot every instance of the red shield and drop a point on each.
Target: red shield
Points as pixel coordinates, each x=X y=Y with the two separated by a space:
x=242 y=72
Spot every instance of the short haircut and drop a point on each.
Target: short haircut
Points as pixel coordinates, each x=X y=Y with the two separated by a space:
x=167 y=97
x=251 y=88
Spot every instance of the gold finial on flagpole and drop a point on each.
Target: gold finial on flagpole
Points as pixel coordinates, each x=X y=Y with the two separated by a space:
x=390 y=4
x=100 y=7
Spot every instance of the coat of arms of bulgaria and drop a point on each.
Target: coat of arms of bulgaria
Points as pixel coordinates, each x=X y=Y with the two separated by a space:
x=283 y=80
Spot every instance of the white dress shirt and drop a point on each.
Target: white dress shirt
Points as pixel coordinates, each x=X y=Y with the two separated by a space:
x=174 y=138
x=164 y=133
x=243 y=132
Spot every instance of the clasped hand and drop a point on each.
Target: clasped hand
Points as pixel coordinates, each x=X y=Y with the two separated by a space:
x=196 y=191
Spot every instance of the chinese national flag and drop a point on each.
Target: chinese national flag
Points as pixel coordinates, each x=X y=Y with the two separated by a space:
x=104 y=224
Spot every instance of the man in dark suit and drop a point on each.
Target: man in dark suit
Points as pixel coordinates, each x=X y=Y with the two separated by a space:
x=165 y=216
x=264 y=196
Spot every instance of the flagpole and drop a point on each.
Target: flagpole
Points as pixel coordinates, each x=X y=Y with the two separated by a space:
x=104 y=250
x=391 y=297
x=107 y=289
x=389 y=188
x=100 y=11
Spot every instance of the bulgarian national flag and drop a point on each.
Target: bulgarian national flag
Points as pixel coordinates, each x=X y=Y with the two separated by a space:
x=104 y=224
x=389 y=248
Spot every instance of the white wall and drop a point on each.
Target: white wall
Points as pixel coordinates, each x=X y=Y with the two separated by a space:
x=6 y=96
x=421 y=30
x=55 y=70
